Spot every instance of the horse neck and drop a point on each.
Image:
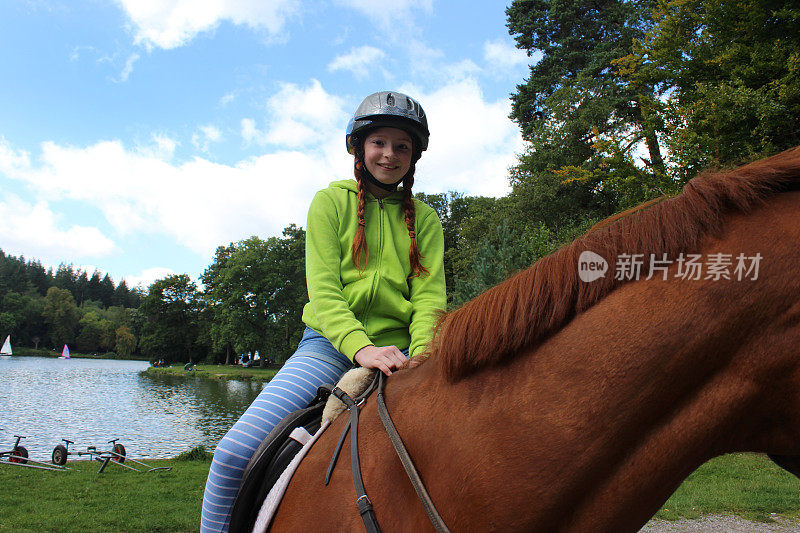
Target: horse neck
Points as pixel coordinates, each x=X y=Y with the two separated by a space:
x=603 y=421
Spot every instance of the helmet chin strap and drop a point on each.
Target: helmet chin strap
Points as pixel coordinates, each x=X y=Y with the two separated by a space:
x=389 y=187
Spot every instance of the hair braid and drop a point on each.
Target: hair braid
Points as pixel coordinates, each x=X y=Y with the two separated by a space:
x=414 y=256
x=360 y=240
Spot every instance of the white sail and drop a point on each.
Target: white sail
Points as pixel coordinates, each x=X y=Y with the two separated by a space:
x=6 y=349
x=65 y=352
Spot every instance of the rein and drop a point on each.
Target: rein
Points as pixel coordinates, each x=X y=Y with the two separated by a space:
x=362 y=500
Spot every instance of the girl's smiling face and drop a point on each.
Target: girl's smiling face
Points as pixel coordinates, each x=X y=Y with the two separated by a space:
x=387 y=154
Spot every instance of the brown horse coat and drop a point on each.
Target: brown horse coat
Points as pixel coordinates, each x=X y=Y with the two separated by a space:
x=552 y=404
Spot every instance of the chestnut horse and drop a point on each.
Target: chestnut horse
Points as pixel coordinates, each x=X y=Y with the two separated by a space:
x=554 y=403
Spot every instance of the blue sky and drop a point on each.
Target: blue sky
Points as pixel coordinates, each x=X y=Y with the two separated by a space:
x=136 y=136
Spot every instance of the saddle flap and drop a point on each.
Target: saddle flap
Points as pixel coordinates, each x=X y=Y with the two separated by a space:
x=259 y=475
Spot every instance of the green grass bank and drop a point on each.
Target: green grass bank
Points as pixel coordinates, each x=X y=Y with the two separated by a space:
x=118 y=500
x=218 y=372
x=83 y=501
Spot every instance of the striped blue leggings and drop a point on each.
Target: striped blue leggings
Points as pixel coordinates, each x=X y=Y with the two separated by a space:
x=292 y=388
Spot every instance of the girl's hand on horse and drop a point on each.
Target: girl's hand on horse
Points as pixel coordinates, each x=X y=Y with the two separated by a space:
x=384 y=358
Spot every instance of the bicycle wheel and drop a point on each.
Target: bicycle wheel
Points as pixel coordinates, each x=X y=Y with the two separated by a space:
x=60 y=455
x=119 y=453
x=19 y=455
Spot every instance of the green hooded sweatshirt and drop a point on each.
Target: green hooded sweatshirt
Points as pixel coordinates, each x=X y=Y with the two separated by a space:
x=381 y=305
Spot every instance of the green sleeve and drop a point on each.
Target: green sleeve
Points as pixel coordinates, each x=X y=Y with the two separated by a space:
x=428 y=294
x=323 y=278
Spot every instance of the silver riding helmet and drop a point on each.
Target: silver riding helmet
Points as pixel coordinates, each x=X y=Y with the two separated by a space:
x=393 y=110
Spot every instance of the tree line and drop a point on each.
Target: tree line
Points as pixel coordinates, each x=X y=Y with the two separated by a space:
x=630 y=99
x=45 y=308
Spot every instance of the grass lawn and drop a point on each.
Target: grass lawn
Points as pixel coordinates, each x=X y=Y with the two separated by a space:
x=81 y=500
x=219 y=372
x=118 y=500
x=747 y=485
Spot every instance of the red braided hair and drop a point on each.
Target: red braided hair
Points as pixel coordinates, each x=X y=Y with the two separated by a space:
x=408 y=202
x=360 y=240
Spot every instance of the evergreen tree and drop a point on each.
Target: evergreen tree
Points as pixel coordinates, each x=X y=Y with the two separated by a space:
x=106 y=291
x=81 y=291
x=93 y=291
x=574 y=96
x=66 y=278
x=121 y=295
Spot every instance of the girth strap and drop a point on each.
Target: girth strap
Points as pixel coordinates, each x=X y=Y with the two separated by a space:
x=408 y=464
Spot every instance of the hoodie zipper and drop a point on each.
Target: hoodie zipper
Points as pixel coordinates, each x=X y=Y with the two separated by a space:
x=378 y=266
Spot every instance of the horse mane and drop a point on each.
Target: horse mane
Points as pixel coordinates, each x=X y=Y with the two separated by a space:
x=534 y=304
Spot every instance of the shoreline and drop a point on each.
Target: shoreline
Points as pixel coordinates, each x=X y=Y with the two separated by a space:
x=218 y=372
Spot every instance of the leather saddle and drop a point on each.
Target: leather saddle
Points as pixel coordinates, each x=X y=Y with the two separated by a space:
x=270 y=460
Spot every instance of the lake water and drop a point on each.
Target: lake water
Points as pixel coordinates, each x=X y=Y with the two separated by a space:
x=90 y=401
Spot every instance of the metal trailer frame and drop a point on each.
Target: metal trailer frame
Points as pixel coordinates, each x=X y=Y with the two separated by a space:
x=18 y=456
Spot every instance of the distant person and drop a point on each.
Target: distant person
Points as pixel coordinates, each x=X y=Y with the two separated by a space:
x=375 y=276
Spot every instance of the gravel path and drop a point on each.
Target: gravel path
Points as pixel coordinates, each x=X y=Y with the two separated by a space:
x=722 y=524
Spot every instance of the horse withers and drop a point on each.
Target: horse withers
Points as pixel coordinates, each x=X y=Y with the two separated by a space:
x=556 y=403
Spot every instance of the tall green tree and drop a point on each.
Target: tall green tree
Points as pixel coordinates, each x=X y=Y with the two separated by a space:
x=66 y=278
x=93 y=291
x=171 y=313
x=729 y=71
x=593 y=135
x=122 y=296
x=61 y=314
x=106 y=291
x=40 y=278
x=13 y=275
x=573 y=96
x=125 y=342
x=80 y=289
x=96 y=334
x=256 y=290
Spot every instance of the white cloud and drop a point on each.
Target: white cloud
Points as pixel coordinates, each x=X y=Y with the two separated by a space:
x=200 y=204
x=250 y=133
x=127 y=69
x=172 y=23
x=461 y=70
x=360 y=61
x=10 y=159
x=299 y=117
x=34 y=230
x=207 y=135
x=503 y=57
x=162 y=147
x=390 y=16
x=227 y=98
x=146 y=277
x=473 y=142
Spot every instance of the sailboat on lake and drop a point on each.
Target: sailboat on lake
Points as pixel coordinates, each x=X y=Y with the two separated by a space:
x=6 y=349
x=65 y=353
